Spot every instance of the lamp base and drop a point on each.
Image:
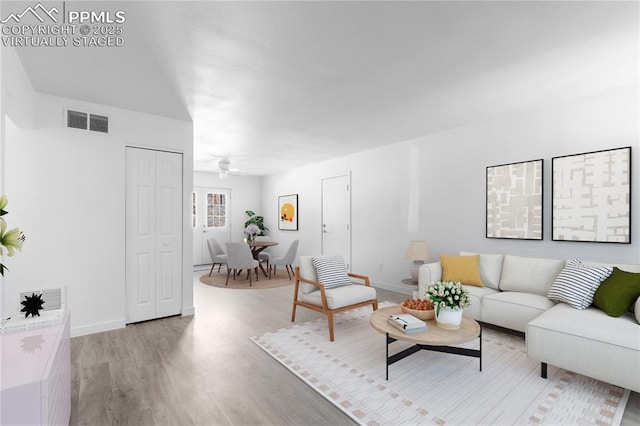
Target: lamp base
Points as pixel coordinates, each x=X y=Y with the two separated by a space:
x=415 y=269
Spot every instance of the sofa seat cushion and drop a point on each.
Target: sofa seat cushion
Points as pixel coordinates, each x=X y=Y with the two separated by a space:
x=475 y=297
x=512 y=309
x=339 y=297
x=529 y=274
x=592 y=324
x=588 y=342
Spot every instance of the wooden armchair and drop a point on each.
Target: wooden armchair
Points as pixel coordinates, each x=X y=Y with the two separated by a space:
x=329 y=298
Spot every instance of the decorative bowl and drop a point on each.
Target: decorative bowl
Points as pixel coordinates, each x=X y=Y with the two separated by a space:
x=423 y=314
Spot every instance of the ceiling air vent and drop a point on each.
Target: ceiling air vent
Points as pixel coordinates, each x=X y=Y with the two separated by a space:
x=86 y=121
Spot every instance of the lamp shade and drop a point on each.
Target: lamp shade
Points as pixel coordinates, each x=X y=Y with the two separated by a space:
x=417 y=250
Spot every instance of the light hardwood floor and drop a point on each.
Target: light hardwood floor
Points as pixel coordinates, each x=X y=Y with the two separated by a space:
x=204 y=370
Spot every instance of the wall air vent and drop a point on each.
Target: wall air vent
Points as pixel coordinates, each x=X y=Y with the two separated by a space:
x=87 y=121
x=99 y=123
x=77 y=120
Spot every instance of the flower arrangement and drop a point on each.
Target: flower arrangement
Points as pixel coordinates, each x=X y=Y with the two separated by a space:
x=11 y=240
x=251 y=231
x=448 y=294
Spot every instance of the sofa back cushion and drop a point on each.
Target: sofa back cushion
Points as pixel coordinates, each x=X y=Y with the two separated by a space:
x=529 y=274
x=490 y=268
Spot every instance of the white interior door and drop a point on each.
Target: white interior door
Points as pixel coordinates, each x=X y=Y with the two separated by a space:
x=336 y=217
x=153 y=215
x=210 y=218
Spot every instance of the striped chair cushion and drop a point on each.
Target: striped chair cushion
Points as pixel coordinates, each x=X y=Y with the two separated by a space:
x=331 y=271
x=577 y=283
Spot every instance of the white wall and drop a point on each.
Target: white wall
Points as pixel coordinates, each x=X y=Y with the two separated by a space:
x=246 y=194
x=66 y=192
x=452 y=184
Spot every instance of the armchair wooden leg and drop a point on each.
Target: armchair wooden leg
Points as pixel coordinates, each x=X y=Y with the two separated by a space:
x=219 y=266
x=229 y=273
x=257 y=277
x=375 y=305
x=330 y=319
x=212 y=266
x=293 y=312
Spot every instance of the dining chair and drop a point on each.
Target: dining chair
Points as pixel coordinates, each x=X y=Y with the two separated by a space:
x=286 y=260
x=217 y=254
x=324 y=285
x=263 y=256
x=239 y=257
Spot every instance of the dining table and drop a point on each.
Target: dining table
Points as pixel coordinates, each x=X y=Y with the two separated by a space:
x=257 y=247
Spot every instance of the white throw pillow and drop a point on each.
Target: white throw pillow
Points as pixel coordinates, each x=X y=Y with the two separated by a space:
x=576 y=284
x=331 y=271
x=637 y=310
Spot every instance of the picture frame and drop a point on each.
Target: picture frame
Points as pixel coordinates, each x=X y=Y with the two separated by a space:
x=514 y=200
x=591 y=196
x=288 y=212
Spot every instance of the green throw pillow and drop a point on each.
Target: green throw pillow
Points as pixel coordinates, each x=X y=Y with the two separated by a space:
x=617 y=293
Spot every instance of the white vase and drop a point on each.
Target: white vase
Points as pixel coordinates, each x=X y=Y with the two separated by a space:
x=449 y=318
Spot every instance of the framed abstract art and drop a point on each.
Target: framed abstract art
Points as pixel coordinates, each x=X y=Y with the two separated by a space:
x=591 y=196
x=288 y=212
x=514 y=201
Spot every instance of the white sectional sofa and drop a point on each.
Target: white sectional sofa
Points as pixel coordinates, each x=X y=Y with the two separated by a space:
x=587 y=341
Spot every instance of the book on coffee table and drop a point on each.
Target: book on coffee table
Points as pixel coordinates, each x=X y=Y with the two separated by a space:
x=407 y=323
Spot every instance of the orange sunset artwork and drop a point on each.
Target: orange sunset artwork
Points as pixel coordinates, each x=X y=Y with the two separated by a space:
x=287 y=212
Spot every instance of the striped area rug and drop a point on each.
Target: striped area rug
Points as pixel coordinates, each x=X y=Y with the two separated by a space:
x=437 y=388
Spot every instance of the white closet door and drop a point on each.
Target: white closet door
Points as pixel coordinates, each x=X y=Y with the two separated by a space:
x=153 y=234
x=336 y=217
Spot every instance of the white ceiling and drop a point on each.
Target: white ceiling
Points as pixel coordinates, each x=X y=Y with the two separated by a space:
x=275 y=85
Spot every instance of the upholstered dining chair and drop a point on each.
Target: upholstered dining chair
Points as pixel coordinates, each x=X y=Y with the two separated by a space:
x=286 y=260
x=324 y=285
x=217 y=254
x=239 y=257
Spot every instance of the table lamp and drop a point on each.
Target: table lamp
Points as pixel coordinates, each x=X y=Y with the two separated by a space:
x=418 y=252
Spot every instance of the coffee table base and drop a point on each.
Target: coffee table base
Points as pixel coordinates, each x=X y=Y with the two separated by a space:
x=476 y=353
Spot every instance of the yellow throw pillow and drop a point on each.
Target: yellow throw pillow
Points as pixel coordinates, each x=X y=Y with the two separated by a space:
x=464 y=269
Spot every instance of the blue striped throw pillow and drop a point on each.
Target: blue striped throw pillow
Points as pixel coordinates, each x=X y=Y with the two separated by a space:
x=331 y=271
x=577 y=283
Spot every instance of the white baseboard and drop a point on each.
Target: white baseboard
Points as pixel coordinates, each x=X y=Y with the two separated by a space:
x=188 y=311
x=97 y=328
x=398 y=288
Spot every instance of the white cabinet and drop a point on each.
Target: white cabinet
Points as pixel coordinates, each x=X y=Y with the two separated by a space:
x=35 y=376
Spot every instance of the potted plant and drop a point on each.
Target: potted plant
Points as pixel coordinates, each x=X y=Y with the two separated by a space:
x=449 y=298
x=254 y=226
x=11 y=240
x=254 y=219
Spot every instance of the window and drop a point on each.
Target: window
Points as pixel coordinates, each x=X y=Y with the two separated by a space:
x=216 y=210
x=194 y=209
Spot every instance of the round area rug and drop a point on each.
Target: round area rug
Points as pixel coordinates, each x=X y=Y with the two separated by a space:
x=241 y=282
